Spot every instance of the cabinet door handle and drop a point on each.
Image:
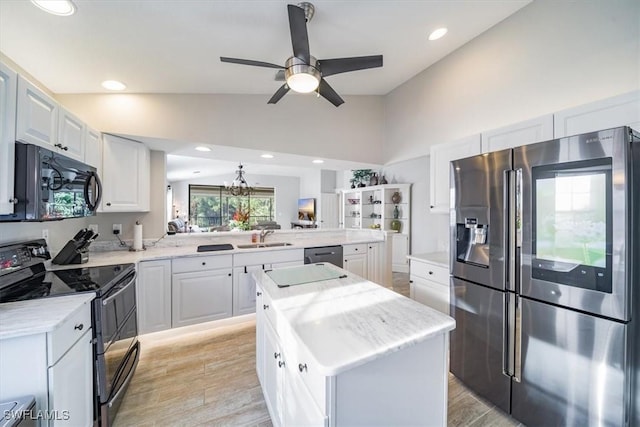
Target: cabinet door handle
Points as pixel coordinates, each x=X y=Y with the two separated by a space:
x=280 y=364
x=302 y=367
x=229 y=274
x=58 y=145
x=108 y=203
x=258 y=294
x=410 y=281
x=65 y=148
x=276 y=355
x=204 y=263
x=79 y=327
x=431 y=272
x=265 y=306
x=13 y=201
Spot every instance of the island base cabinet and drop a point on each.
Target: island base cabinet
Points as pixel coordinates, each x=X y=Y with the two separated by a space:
x=396 y=389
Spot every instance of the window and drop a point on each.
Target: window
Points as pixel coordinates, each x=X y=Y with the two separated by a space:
x=211 y=206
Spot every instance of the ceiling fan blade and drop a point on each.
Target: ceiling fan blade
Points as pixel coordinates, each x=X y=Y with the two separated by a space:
x=299 y=36
x=329 y=94
x=279 y=94
x=250 y=62
x=329 y=67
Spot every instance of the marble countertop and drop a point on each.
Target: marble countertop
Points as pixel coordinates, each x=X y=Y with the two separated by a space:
x=37 y=316
x=182 y=246
x=440 y=259
x=347 y=322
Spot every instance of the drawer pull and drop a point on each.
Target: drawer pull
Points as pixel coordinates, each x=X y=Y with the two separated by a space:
x=258 y=293
x=204 y=263
x=302 y=367
x=79 y=327
x=280 y=364
x=265 y=306
x=276 y=355
x=431 y=272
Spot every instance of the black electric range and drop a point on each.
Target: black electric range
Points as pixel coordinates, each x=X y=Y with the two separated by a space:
x=23 y=275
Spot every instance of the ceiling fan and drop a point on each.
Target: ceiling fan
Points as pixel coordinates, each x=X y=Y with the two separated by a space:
x=302 y=72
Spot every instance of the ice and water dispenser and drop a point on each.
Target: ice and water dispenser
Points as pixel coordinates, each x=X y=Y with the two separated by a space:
x=472 y=242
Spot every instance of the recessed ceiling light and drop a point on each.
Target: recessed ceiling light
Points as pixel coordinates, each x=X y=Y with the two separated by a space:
x=267 y=156
x=113 y=85
x=317 y=161
x=196 y=171
x=436 y=34
x=203 y=148
x=56 y=7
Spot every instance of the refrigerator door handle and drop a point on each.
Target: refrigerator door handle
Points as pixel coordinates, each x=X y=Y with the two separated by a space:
x=509 y=233
x=509 y=333
x=517 y=375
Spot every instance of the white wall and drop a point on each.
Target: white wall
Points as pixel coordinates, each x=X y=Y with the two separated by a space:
x=548 y=56
x=298 y=124
x=287 y=190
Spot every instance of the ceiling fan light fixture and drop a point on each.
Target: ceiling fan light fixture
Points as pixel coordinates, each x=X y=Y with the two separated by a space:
x=301 y=77
x=56 y=7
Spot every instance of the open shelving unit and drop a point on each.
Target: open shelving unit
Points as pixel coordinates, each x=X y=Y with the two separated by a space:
x=373 y=207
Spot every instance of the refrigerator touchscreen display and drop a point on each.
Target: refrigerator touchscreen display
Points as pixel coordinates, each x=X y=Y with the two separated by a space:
x=571 y=227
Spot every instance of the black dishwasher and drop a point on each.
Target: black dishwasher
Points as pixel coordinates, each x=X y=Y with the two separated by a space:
x=330 y=254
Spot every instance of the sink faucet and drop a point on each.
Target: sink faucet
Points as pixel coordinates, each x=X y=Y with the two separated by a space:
x=264 y=233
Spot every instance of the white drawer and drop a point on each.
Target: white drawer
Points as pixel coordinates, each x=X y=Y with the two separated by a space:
x=268 y=310
x=65 y=336
x=430 y=294
x=268 y=257
x=430 y=272
x=307 y=370
x=200 y=263
x=354 y=249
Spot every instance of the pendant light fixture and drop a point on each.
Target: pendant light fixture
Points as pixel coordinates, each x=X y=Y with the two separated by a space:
x=239 y=186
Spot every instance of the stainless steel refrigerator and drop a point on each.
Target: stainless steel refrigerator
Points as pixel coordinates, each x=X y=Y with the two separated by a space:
x=545 y=262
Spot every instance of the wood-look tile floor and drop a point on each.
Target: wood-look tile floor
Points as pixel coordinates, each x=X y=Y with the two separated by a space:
x=209 y=379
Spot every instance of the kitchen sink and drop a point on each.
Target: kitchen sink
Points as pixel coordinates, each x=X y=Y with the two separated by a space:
x=263 y=245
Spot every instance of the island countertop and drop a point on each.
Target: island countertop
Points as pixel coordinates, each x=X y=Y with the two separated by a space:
x=349 y=321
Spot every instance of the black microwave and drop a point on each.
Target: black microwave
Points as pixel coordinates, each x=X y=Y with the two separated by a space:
x=50 y=186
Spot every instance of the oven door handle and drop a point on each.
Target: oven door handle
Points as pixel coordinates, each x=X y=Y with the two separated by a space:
x=126 y=381
x=106 y=301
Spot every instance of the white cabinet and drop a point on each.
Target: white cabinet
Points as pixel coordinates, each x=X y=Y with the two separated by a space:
x=125 y=175
x=374 y=261
x=439 y=172
x=621 y=110
x=56 y=367
x=71 y=384
x=8 y=90
x=71 y=135
x=244 y=286
x=154 y=296
x=37 y=116
x=355 y=259
x=202 y=289
x=429 y=284
x=93 y=149
x=399 y=252
x=522 y=133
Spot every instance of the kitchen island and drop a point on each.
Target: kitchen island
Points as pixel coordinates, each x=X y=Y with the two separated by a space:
x=345 y=351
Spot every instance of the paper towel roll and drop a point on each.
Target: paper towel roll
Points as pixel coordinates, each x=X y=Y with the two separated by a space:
x=137 y=237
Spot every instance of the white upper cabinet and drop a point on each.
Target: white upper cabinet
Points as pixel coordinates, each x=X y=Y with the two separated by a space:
x=125 y=175
x=522 y=133
x=37 y=116
x=71 y=135
x=93 y=149
x=441 y=156
x=622 y=110
x=8 y=88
